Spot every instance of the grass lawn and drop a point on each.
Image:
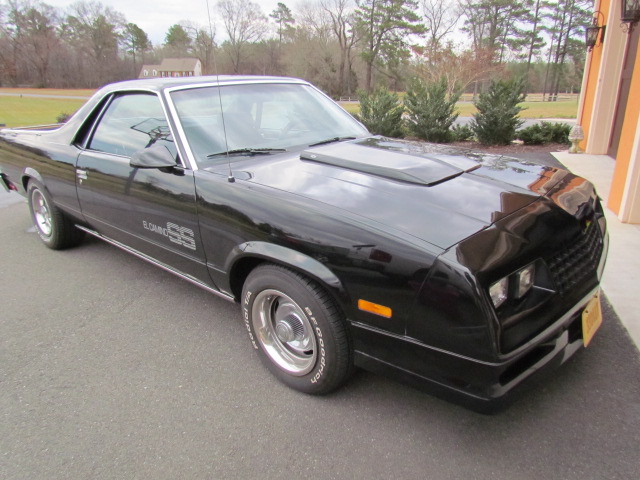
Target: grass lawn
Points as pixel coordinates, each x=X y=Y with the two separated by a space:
x=28 y=111
x=50 y=91
x=560 y=109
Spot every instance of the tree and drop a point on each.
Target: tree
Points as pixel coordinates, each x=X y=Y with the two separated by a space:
x=283 y=18
x=244 y=23
x=497 y=120
x=568 y=17
x=381 y=112
x=535 y=42
x=30 y=29
x=178 y=40
x=342 y=24
x=203 y=48
x=135 y=41
x=384 y=26
x=94 y=31
x=431 y=112
x=312 y=51
x=440 y=18
x=459 y=68
x=495 y=25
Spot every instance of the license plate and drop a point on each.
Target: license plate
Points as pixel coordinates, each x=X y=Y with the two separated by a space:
x=591 y=319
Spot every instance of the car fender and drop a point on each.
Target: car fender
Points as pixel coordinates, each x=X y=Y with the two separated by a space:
x=287 y=257
x=30 y=173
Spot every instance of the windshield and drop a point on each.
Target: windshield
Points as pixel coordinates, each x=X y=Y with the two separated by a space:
x=258 y=117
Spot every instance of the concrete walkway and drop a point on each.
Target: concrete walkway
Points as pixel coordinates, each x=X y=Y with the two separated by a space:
x=621 y=277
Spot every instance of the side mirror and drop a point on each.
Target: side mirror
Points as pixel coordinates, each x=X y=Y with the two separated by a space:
x=155 y=156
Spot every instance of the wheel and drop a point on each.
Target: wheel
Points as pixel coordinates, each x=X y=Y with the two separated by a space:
x=53 y=227
x=298 y=330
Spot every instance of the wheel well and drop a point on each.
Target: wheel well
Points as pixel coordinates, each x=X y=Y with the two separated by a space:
x=241 y=271
x=245 y=266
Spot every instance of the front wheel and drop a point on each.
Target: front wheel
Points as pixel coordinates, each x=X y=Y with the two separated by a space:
x=298 y=330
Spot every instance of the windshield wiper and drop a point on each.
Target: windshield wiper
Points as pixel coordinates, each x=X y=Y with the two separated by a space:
x=331 y=140
x=248 y=151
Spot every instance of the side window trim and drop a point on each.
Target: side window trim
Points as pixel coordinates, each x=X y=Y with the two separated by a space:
x=106 y=103
x=94 y=119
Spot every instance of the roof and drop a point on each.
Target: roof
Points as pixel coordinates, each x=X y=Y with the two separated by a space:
x=160 y=84
x=150 y=67
x=178 y=64
x=171 y=65
x=155 y=84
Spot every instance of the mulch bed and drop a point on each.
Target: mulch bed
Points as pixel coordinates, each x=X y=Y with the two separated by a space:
x=514 y=148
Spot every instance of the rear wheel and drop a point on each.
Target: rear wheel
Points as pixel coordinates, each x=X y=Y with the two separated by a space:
x=298 y=330
x=54 y=229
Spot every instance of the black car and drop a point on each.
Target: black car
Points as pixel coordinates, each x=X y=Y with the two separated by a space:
x=460 y=272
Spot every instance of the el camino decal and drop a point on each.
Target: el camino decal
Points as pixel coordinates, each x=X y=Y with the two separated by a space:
x=175 y=233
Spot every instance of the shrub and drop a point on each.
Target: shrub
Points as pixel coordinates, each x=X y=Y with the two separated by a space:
x=545 y=132
x=461 y=133
x=497 y=119
x=381 y=112
x=430 y=113
x=63 y=117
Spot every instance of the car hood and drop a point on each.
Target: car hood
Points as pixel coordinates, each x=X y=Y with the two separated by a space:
x=436 y=193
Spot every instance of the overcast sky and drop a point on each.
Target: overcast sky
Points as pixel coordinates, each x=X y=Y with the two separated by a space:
x=155 y=17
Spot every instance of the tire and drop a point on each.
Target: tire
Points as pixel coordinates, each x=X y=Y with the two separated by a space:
x=297 y=329
x=54 y=229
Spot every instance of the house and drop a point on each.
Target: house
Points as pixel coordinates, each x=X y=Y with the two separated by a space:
x=173 y=67
x=609 y=109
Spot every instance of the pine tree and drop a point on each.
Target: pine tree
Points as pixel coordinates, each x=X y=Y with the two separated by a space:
x=497 y=119
x=430 y=112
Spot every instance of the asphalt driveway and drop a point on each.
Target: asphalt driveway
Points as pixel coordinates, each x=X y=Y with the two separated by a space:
x=112 y=368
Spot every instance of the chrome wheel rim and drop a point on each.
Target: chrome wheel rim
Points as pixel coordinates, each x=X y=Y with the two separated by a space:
x=284 y=331
x=41 y=212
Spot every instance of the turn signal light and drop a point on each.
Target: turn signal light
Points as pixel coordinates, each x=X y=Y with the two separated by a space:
x=374 y=308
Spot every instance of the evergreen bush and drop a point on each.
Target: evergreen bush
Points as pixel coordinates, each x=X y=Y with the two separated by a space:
x=545 y=132
x=430 y=113
x=381 y=112
x=461 y=133
x=497 y=120
x=63 y=117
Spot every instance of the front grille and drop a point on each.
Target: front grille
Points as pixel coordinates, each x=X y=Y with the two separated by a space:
x=577 y=260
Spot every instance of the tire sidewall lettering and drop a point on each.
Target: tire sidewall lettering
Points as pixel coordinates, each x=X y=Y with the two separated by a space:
x=321 y=363
x=245 y=316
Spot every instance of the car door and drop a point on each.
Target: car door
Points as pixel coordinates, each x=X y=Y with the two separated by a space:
x=151 y=210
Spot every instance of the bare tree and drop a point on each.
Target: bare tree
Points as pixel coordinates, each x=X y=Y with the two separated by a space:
x=94 y=31
x=244 y=23
x=459 y=68
x=440 y=19
x=343 y=25
x=28 y=32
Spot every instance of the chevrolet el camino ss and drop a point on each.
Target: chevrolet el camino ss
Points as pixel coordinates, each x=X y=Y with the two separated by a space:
x=458 y=272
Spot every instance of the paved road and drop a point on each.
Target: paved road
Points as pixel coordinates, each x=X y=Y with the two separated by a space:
x=45 y=95
x=526 y=122
x=112 y=368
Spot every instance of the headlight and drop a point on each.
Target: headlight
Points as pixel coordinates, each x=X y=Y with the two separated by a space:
x=525 y=280
x=515 y=285
x=499 y=291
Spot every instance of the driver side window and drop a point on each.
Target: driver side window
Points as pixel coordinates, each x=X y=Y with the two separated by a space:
x=132 y=122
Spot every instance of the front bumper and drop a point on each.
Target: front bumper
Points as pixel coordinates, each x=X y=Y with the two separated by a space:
x=481 y=386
